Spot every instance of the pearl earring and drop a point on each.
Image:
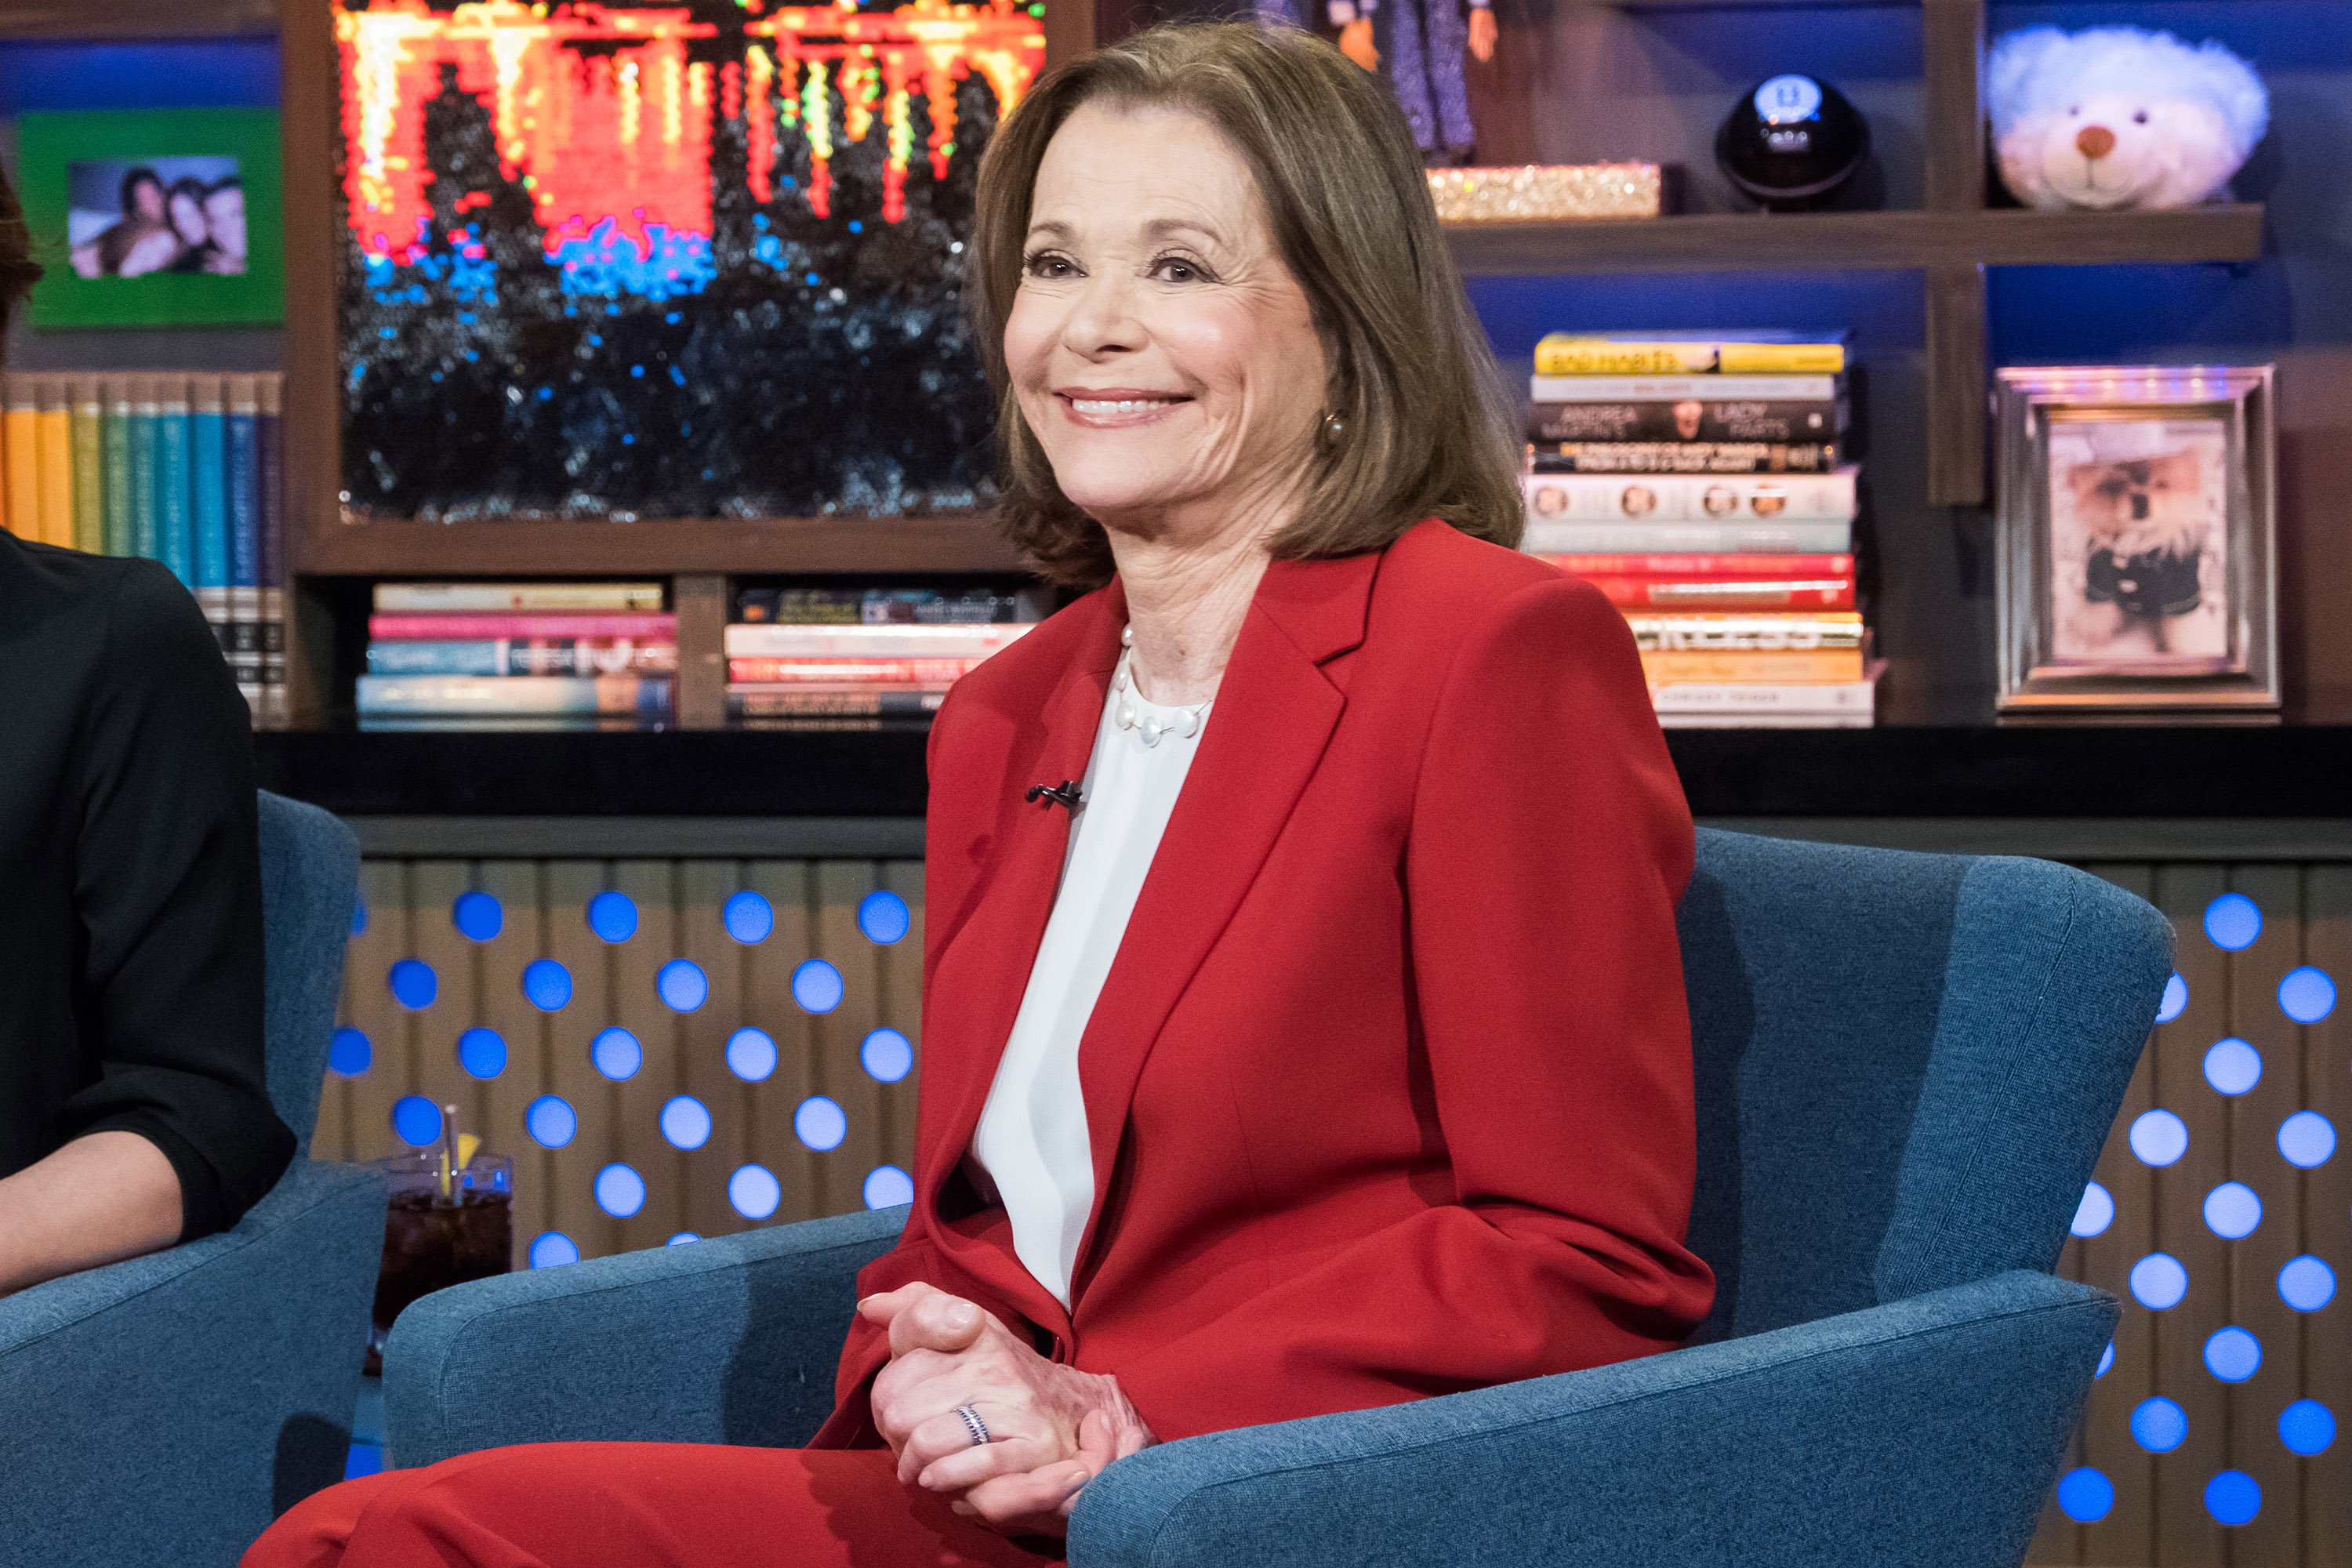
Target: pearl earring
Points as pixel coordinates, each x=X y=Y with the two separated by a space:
x=1333 y=429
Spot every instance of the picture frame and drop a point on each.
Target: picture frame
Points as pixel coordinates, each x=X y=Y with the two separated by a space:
x=2134 y=529
x=153 y=217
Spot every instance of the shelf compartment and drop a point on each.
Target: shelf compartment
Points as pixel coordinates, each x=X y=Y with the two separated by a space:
x=730 y=545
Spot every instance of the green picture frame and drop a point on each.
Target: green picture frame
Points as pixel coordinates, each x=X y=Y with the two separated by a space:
x=177 y=282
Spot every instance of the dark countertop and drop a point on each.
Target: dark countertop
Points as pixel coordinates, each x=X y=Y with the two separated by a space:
x=2292 y=771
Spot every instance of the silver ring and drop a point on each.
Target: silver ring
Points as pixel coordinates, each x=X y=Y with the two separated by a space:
x=974 y=1424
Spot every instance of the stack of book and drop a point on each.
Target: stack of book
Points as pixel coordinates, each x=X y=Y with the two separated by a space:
x=180 y=467
x=527 y=656
x=839 y=658
x=1705 y=484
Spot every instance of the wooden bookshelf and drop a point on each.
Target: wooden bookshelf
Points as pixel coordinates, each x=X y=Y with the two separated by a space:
x=743 y=546
x=143 y=20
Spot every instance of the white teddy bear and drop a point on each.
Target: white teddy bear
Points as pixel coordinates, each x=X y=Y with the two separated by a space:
x=2116 y=117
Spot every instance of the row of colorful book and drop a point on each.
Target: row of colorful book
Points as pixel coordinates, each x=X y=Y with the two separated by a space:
x=806 y=657
x=183 y=467
x=518 y=656
x=1706 y=485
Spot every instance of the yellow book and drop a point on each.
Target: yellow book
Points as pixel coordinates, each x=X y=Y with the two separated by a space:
x=1773 y=667
x=19 y=429
x=88 y=431
x=1572 y=353
x=53 y=440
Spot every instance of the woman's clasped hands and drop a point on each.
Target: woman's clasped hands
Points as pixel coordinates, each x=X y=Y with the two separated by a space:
x=1050 y=1428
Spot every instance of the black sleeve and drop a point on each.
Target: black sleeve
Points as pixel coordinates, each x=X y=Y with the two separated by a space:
x=168 y=891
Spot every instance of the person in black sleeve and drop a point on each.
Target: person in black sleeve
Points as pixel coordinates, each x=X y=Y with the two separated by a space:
x=134 y=1109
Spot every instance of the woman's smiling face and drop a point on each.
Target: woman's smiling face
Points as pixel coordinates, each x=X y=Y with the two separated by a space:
x=1161 y=352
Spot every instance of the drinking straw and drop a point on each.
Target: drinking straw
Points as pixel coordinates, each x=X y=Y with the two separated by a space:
x=448 y=1156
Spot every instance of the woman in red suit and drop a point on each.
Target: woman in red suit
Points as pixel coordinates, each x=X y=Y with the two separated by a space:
x=1304 y=1022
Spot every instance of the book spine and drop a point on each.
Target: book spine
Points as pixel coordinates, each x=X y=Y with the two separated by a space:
x=1566 y=355
x=121 y=420
x=1726 y=567
x=878 y=671
x=269 y=553
x=1725 y=593
x=242 y=417
x=20 y=451
x=518 y=599
x=1745 y=633
x=1684 y=457
x=584 y=656
x=208 y=500
x=1704 y=538
x=742 y=704
x=458 y=696
x=54 y=441
x=1666 y=667
x=637 y=627
x=176 y=524
x=1737 y=419
x=1691 y=498
x=1678 y=388
x=757 y=641
x=88 y=432
x=1822 y=696
x=146 y=506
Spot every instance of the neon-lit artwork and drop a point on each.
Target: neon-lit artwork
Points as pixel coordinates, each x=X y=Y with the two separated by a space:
x=690 y=259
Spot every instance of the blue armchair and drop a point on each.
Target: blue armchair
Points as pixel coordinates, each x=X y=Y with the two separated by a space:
x=166 y=1408
x=1907 y=1065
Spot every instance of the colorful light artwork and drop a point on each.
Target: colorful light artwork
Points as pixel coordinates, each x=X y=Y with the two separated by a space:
x=612 y=259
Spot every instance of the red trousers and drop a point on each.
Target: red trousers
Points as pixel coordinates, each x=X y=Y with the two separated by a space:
x=636 y=1505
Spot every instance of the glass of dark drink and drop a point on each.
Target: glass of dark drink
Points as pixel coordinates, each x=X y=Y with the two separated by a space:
x=438 y=1233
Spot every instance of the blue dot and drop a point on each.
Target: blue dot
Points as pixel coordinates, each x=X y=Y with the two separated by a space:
x=682 y=986
x=2233 y=1066
x=2158 y=1425
x=358 y=917
x=888 y=1056
x=2306 y=1283
x=753 y=1191
x=416 y=1121
x=2159 y=1137
x=548 y=984
x=887 y=1187
x=2085 y=1496
x=2306 y=1138
x=750 y=1055
x=613 y=916
x=2306 y=994
x=620 y=1190
x=820 y=1123
x=553 y=1250
x=883 y=917
x=2233 y=921
x=686 y=1122
x=2158 y=1281
x=2232 y=1210
x=816 y=986
x=414 y=983
x=749 y=917
x=350 y=1052
x=482 y=1052
x=2232 y=1354
x=551 y=1121
x=477 y=916
x=616 y=1054
x=2176 y=999
x=2306 y=1427
x=2233 y=1497
x=682 y=1238
x=2095 y=1212
x=2106 y=1360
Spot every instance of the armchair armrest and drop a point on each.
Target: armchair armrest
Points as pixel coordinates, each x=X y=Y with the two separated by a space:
x=733 y=1340
x=167 y=1407
x=1925 y=1432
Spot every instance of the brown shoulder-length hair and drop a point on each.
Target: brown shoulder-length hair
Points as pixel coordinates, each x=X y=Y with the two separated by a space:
x=1423 y=430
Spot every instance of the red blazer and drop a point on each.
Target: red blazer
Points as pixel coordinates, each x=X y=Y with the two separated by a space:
x=1390 y=1085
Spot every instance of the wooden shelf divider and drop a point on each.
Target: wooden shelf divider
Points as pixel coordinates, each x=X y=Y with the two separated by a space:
x=721 y=545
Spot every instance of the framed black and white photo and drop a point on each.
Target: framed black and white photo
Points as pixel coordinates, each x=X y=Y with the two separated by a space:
x=2135 y=531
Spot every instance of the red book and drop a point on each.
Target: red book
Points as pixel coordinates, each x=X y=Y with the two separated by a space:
x=1748 y=566
x=638 y=628
x=1727 y=592
x=866 y=671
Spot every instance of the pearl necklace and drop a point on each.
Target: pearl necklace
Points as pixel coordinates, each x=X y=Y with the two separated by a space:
x=1147 y=728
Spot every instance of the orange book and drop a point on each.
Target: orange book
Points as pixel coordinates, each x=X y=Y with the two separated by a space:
x=53 y=446
x=19 y=436
x=1727 y=592
x=1776 y=667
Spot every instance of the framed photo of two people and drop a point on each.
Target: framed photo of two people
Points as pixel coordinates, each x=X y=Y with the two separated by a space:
x=2136 y=532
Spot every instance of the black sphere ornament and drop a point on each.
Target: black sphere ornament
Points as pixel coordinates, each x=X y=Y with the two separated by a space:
x=1792 y=144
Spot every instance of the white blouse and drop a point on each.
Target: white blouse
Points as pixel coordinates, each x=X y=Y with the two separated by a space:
x=1031 y=1142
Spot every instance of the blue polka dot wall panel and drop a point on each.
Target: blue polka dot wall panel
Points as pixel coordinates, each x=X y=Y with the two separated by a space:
x=687 y=1068
x=2219 y=1215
